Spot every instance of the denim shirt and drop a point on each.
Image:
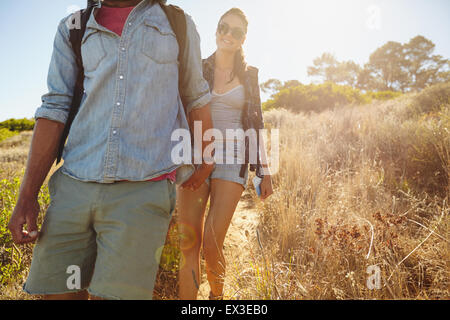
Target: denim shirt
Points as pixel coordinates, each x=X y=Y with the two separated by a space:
x=132 y=101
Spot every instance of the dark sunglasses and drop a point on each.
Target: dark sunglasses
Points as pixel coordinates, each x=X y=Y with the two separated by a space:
x=236 y=33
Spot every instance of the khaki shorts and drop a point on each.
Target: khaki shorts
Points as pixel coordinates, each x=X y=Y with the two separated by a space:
x=105 y=238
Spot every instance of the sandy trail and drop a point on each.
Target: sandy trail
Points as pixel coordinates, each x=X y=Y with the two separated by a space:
x=236 y=247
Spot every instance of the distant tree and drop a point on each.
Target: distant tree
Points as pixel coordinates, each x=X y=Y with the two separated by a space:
x=271 y=86
x=388 y=64
x=325 y=68
x=366 y=80
x=392 y=67
x=444 y=76
x=274 y=85
x=424 y=68
x=347 y=73
x=290 y=84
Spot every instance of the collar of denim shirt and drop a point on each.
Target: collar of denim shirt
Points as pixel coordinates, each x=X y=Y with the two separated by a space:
x=92 y=24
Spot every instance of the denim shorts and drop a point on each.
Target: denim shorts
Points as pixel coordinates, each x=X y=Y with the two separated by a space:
x=110 y=235
x=229 y=172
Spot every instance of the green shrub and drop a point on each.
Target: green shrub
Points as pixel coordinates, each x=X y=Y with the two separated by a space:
x=382 y=95
x=315 y=98
x=18 y=125
x=5 y=134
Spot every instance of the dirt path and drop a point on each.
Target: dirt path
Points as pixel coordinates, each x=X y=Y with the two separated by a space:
x=237 y=246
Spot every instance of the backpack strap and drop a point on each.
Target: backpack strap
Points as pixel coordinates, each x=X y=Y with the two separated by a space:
x=75 y=38
x=177 y=20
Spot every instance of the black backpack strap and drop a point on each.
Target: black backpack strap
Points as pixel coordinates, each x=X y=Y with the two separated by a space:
x=76 y=36
x=177 y=20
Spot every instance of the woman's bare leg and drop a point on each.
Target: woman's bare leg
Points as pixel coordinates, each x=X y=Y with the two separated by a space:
x=225 y=196
x=191 y=217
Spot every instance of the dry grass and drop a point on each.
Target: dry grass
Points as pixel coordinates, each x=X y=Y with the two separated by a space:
x=349 y=195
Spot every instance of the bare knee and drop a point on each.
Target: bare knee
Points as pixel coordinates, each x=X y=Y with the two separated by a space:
x=191 y=253
x=190 y=243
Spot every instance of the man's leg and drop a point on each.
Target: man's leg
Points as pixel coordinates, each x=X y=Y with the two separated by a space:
x=131 y=225
x=64 y=255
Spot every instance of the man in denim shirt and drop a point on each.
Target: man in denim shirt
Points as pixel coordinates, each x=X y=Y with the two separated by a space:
x=112 y=200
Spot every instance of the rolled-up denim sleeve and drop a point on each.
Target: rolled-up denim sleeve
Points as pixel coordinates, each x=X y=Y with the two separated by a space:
x=61 y=78
x=194 y=89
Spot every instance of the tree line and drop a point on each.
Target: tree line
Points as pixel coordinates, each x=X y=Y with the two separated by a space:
x=392 y=69
x=412 y=66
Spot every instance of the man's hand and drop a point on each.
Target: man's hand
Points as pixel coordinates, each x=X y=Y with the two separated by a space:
x=43 y=151
x=25 y=212
x=198 y=177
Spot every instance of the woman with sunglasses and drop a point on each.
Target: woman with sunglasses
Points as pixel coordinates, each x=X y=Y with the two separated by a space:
x=235 y=105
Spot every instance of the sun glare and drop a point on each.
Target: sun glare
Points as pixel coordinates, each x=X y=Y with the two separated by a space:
x=303 y=30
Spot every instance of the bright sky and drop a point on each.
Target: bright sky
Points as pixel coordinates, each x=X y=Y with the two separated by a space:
x=284 y=36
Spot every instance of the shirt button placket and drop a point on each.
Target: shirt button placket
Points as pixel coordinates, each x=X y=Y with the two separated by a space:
x=113 y=155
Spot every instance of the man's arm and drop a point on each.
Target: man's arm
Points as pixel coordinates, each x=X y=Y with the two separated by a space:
x=51 y=117
x=195 y=92
x=202 y=115
x=42 y=155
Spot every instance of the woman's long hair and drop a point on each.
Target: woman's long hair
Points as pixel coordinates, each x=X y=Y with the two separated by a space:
x=240 y=65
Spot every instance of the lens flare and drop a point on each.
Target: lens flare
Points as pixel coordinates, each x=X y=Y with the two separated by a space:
x=188 y=236
x=170 y=258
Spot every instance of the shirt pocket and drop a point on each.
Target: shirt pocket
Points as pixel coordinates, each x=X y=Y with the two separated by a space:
x=159 y=42
x=92 y=50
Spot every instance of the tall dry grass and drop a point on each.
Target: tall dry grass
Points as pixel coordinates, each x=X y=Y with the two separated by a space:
x=357 y=187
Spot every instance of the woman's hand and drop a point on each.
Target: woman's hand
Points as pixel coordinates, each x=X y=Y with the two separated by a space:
x=198 y=177
x=266 y=187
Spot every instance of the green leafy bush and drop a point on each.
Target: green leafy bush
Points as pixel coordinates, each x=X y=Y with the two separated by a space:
x=5 y=134
x=382 y=95
x=18 y=125
x=315 y=98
